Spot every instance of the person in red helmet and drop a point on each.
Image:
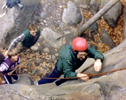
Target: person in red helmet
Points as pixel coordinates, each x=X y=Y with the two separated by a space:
x=71 y=57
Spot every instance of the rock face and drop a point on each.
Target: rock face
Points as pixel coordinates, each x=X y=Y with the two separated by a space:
x=107 y=87
x=20 y=92
x=15 y=21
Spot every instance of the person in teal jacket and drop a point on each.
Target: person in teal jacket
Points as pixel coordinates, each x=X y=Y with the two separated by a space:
x=71 y=57
x=24 y=41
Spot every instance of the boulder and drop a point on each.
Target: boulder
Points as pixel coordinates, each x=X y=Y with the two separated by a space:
x=112 y=16
x=34 y=48
x=106 y=39
x=54 y=39
x=71 y=14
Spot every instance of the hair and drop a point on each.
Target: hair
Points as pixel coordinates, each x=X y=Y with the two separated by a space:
x=32 y=27
x=10 y=54
x=76 y=52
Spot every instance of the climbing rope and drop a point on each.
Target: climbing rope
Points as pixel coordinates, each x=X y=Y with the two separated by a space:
x=90 y=75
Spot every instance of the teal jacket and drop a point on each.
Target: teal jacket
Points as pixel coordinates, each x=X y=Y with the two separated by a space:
x=29 y=39
x=68 y=62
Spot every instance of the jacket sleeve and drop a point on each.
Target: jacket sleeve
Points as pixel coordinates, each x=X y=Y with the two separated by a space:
x=3 y=67
x=95 y=54
x=67 y=68
x=16 y=40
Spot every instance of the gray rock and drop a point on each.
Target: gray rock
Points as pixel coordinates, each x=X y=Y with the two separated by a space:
x=67 y=32
x=84 y=6
x=112 y=16
x=107 y=87
x=55 y=40
x=94 y=6
x=71 y=14
x=42 y=14
x=24 y=80
x=125 y=21
x=46 y=50
x=94 y=28
x=106 y=39
x=34 y=48
x=21 y=92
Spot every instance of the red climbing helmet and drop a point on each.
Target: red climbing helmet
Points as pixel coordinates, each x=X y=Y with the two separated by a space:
x=79 y=44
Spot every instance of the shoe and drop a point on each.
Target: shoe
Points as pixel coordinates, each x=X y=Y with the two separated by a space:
x=14 y=80
x=36 y=83
x=21 y=6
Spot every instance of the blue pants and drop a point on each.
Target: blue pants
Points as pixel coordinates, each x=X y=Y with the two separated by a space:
x=55 y=74
x=9 y=77
x=12 y=3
